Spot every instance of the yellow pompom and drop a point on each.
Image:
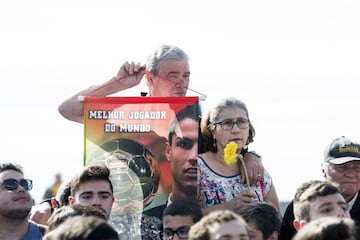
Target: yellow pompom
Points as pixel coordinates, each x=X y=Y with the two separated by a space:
x=230 y=153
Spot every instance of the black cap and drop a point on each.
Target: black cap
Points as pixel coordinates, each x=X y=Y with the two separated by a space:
x=342 y=150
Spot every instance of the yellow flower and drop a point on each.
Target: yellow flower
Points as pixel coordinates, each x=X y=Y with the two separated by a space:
x=230 y=153
x=231 y=156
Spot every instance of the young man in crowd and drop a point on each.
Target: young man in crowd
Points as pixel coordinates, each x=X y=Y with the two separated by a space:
x=220 y=224
x=178 y=217
x=15 y=205
x=263 y=220
x=93 y=187
x=319 y=200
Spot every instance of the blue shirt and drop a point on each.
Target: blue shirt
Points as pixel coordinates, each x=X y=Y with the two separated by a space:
x=34 y=232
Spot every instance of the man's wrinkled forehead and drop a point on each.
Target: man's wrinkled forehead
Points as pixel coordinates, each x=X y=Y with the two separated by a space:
x=173 y=65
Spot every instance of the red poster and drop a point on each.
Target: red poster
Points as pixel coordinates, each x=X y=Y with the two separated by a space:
x=129 y=135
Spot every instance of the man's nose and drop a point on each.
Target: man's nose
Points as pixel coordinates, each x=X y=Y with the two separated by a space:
x=341 y=213
x=96 y=201
x=181 y=81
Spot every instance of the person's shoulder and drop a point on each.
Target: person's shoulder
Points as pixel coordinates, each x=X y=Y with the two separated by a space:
x=355 y=210
x=35 y=232
x=155 y=211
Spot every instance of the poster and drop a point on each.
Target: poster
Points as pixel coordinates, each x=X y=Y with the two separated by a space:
x=129 y=135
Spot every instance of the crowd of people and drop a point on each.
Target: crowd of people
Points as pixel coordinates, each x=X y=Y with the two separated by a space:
x=209 y=198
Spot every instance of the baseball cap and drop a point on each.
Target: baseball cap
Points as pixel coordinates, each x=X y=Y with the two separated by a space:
x=342 y=150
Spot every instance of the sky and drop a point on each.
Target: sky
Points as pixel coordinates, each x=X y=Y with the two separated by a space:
x=294 y=63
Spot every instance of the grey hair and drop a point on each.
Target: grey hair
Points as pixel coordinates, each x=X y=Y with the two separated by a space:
x=226 y=102
x=164 y=52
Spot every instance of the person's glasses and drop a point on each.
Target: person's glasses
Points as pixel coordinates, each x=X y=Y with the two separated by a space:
x=182 y=232
x=228 y=124
x=12 y=184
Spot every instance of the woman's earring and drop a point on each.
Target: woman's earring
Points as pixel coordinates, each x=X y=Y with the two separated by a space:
x=245 y=146
x=214 y=142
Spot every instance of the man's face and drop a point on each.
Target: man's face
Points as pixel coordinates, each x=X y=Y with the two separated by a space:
x=231 y=230
x=346 y=175
x=17 y=203
x=172 y=80
x=177 y=223
x=333 y=205
x=183 y=155
x=95 y=193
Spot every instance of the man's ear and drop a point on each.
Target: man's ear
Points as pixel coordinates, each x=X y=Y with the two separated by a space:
x=149 y=78
x=323 y=170
x=167 y=151
x=54 y=203
x=71 y=200
x=298 y=224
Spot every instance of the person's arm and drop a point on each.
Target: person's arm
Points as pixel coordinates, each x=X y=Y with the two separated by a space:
x=128 y=76
x=234 y=204
x=254 y=168
x=273 y=197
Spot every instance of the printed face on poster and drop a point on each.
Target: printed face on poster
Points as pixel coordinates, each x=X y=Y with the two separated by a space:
x=130 y=135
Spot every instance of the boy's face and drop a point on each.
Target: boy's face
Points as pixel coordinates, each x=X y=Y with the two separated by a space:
x=330 y=205
x=231 y=230
x=95 y=193
x=176 y=223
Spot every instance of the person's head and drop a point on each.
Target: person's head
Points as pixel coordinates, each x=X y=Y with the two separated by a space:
x=92 y=186
x=63 y=194
x=328 y=228
x=220 y=225
x=83 y=228
x=58 y=178
x=228 y=121
x=15 y=199
x=178 y=217
x=263 y=220
x=342 y=166
x=319 y=200
x=168 y=71
x=182 y=151
x=64 y=212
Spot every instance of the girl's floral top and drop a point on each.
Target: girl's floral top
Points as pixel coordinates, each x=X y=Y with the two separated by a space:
x=216 y=188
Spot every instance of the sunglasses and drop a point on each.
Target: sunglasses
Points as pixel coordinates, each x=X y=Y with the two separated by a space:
x=12 y=184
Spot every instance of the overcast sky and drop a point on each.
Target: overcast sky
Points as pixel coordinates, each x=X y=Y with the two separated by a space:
x=294 y=63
